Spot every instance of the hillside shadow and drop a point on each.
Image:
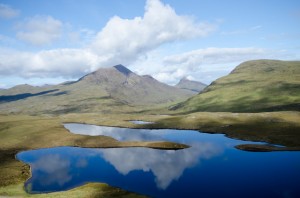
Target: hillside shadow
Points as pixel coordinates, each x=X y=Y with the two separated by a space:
x=11 y=98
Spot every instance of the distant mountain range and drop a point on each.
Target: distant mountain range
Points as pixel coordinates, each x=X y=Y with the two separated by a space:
x=253 y=86
x=191 y=85
x=106 y=89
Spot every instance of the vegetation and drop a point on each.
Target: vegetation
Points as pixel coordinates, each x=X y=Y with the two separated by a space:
x=267 y=92
x=22 y=132
x=254 y=86
x=106 y=90
x=91 y=190
x=280 y=128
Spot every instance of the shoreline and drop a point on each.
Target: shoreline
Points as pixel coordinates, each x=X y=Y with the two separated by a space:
x=25 y=132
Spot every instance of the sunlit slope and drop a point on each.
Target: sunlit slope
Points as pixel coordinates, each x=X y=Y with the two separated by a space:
x=253 y=86
x=105 y=90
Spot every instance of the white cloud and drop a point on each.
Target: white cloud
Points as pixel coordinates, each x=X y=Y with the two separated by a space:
x=120 y=41
x=40 y=30
x=49 y=63
x=207 y=64
x=123 y=40
x=3 y=86
x=214 y=56
x=7 y=12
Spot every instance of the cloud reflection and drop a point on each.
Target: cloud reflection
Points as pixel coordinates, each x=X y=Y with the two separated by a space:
x=166 y=166
x=52 y=169
x=121 y=134
x=65 y=165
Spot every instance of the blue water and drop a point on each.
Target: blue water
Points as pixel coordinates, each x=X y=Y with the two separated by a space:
x=211 y=167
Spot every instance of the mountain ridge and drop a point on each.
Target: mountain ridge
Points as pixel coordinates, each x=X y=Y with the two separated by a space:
x=192 y=85
x=102 y=90
x=253 y=86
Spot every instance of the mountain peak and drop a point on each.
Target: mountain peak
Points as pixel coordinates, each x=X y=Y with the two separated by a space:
x=184 y=79
x=124 y=70
x=191 y=85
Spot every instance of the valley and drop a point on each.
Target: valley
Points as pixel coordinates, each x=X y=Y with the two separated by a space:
x=258 y=101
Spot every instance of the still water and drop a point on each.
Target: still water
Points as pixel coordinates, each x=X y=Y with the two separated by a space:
x=211 y=167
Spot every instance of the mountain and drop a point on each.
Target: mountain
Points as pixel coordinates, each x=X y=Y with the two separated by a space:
x=191 y=85
x=253 y=86
x=126 y=86
x=107 y=89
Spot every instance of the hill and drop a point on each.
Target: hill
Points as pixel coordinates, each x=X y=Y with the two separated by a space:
x=191 y=85
x=105 y=90
x=253 y=86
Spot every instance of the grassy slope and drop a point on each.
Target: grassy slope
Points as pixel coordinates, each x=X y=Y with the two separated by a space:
x=91 y=190
x=254 y=86
x=25 y=132
x=106 y=90
x=282 y=128
x=75 y=98
x=79 y=97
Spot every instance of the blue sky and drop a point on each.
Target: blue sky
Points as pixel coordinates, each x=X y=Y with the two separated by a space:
x=51 y=41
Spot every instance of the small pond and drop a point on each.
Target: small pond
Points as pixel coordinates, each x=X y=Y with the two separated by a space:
x=211 y=167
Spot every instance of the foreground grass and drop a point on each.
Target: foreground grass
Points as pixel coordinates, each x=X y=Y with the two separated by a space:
x=91 y=190
x=22 y=132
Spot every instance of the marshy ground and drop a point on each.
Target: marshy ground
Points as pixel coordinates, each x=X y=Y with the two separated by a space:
x=23 y=132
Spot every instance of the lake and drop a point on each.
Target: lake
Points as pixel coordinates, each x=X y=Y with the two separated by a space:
x=211 y=167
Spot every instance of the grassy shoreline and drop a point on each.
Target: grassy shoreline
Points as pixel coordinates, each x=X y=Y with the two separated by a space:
x=23 y=132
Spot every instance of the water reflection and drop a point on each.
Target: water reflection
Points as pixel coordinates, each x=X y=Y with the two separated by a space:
x=64 y=167
x=211 y=163
x=55 y=168
x=121 y=134
x=165 y=165
x=140 y=122
x=127 y=134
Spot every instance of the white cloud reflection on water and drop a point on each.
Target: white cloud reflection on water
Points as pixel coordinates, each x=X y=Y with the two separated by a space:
x=56 y=168
x=165 y=165
x=120 y=134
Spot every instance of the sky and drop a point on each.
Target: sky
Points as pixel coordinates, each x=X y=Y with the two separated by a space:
x=52 y=41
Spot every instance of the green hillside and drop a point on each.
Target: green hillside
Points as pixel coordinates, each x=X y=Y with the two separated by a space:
x=253 y=86
x=105 y=90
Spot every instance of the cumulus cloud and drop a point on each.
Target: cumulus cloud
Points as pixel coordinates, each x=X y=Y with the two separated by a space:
x=209 y=63
x=123 y=40
x=7 y=12
x=213 y=56
x=120 y=41
x=40 y=30
x=70 y=63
